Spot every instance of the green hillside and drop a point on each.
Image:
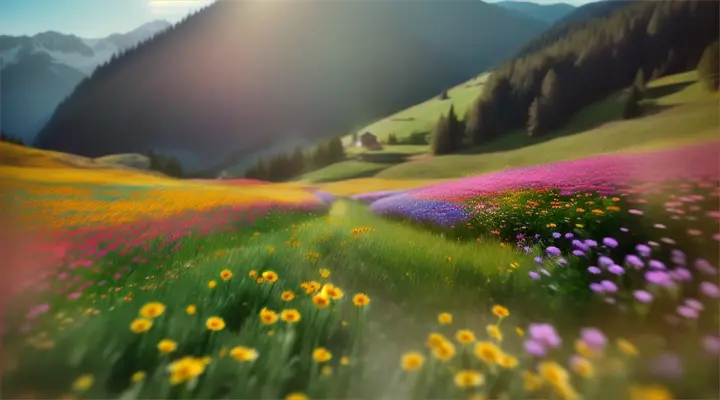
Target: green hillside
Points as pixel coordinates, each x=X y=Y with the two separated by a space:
x=675 y=103
x=422 y=117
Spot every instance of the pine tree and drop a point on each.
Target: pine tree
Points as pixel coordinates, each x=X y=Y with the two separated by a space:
x=392 y=139
x=442 y=138
x=479 y=122
x=536 y=118
x=298 y=161
x=640 y=81
x=335 y=150
x=455 y=130
x=709 y=66
x=631 y=109
x=550 y=101
x=444 y=95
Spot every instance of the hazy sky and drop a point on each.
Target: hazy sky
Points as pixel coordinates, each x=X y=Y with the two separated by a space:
x=99 y=18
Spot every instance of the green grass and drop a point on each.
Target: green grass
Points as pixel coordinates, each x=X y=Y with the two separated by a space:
x=343 y=170
x=422 y=117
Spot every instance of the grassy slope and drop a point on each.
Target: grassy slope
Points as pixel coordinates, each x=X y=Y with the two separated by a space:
x=422 y=117
x=679 y=112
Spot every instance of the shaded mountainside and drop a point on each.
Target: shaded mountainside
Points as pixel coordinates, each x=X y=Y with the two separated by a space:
x=39 y=71
x=242 y=76
x=549 y=13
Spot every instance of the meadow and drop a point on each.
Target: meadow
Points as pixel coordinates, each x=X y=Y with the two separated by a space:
x=593 y=278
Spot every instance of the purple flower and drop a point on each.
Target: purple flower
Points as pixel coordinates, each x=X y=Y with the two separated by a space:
x=74 y=295
x=604 y=261
x=539 y=260
x=710 y=289
x=643 y=296
x=552 y=251
x=577 y=243
x=594 y=270
x=590 y=243
x=527 y=250
x=711 y=344
x=594 y=338
x=694 y=304
x=656 y=264
x=534 y=275
x=578 y=253
x=704 y=266
x=667 y=366
x=545 y=334
x=687 y=312
x=534 y=348
x=634 y=260
x=681 y=274
x=556 y=235
x=610 y=242
x=562 y=261
x=659 y=278
x=597 y=287
x=643 y=249
x=616 y=269
x=609 y=286
x=569 y=235
x=624 y=229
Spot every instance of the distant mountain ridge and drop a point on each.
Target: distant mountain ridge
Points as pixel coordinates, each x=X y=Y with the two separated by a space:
x=240 y=77
x=549 y=13
x=41 y=70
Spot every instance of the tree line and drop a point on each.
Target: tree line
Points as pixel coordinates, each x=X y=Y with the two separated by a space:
x=4 y=137
x=540 y=91
x=285 y=166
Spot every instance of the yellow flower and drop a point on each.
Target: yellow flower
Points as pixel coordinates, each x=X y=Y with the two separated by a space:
x=584 y=350
x=185 y=369
x=489 y=352
x=252 y=273
x=191 y=309
x=494 y=332
x=332 y=291
x=520 y=332
x=138 y=376
x=435 y=340
x=500 y=311
x=225 y=274
x=268 y=317
x=582 y=367
x=326 y=370
x=507 y=361
x=531 y=382
x=215 y=323
x=412 y=361
x=566 y=392
x=444 y=351
x=445 y=318
x=321 y=355
x=167 y=346
x=649 y=392
x=361 y=300
x=83 y=383
x=270 y=276
x=259 y=280
x=244 y=354
x=296 y=396
x=627 y=348
x=325 y=273
x=321 y=300
x=287 y=295
x=141 y=325
x=465 y=336
x=212 y=284
x=152 y=310
x=344 y=360
x=291 y=315
x=553 y=373
x=468 y=378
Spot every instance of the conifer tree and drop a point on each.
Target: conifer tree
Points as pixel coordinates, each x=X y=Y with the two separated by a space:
x=442 y=138
x=631 y=109
x=709 y=67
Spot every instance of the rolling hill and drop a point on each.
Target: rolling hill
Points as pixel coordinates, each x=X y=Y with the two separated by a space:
x=240 y=77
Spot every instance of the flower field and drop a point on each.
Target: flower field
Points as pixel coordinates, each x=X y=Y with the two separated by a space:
x=592 y=279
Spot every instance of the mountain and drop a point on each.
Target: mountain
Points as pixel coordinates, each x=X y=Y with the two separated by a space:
x=240 y=77
x=40 y=71
x=549 y=13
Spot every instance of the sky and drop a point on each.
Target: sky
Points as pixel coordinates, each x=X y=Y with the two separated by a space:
x=99 y=18
x=88 y=18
